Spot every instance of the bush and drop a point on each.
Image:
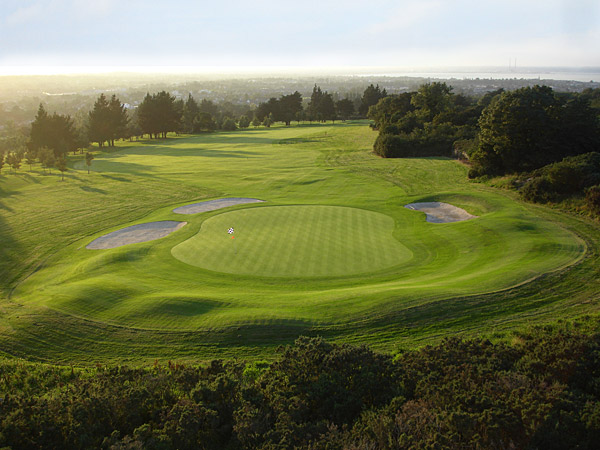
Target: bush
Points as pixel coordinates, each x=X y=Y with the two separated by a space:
x=229 y=125
x=244 y=122
x=409 y=146
x=571 y=176
x=538 y=190
x=464 y=148
x=592 y=199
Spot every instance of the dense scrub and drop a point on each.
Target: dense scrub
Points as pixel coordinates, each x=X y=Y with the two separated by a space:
x=541 y=391
x=531 y=127
x=571 y=176
x=499 y=133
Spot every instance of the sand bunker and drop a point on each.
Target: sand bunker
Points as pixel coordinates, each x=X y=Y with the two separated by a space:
x=211 y=205
x=438 y=212
x=142 y=232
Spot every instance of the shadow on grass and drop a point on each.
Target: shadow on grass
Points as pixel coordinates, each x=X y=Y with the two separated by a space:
x=10 y=252
x=92 y=189
x=115 y=178
x=298 y=141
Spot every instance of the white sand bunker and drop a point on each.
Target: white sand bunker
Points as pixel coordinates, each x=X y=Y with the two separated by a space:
x=134 y=234
x=211 y=205
x=438 y=212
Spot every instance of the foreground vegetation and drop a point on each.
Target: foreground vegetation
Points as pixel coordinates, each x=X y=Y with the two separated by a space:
x=539 y=392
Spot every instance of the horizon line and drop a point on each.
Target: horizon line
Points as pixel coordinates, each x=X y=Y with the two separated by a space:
x=8 y=71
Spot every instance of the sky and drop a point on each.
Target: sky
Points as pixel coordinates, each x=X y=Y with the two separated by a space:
x=46 y=36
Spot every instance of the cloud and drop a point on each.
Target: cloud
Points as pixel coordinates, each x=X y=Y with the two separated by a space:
x=94 y=8
x=405 y=16
x=25 y=14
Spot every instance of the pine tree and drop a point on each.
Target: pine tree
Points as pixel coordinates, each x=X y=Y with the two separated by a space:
x=190 y=112
x=118 y=120
x=99 y=124
x=370 y=97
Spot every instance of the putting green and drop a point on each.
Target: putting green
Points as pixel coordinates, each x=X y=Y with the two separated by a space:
x=295 y=241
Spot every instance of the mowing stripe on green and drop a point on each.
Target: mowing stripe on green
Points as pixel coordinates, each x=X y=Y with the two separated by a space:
x=295 y=241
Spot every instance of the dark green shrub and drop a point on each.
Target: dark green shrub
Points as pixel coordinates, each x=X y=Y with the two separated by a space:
x=538 y=190
x=592 y=199
x=229 y=125
x=409 y=146
x=390 y=129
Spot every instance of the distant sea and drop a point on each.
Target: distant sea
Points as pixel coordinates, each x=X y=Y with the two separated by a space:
x=565 y=74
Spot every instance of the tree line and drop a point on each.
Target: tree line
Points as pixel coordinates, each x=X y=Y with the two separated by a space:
x=541 y=391
x=545 y=139
x=52 y=136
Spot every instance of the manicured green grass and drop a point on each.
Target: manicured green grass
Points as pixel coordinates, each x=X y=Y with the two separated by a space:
x=331 y=252
x=295 y=241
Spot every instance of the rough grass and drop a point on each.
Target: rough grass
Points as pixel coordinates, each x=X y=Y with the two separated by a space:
x=515 y=264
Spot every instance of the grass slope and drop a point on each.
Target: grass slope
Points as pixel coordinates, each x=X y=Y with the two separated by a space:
x=414 y=281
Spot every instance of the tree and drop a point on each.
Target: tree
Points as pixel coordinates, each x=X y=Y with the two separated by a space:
x=321 y=106
x=314 y=105
x=432 y=99
x=344 y=108
x=207 y=106
x=133 y=127
x=229 y=124
x=1 y=161
x=272 y=106
x=14 y=160
x=289 y=107
x=579 y=128
x=190 y=112
x=56 y=132
x=47 y=158
x=147 y=116
x=519 y=131
x=390 y=110
x=268 y=120
x=118 y=120
x=40 y=129
x=99 y=122
x=370 y=97
x=30 y=158
x=61 y=164
x=88 y=160
x=256 y=122
x=107 y=121
x=327 y=107
x=244 y=122
x=205 y=122
x=158 y=114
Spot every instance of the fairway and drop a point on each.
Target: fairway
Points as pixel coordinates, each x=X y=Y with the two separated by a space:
x=322 y=245
x=295 y=241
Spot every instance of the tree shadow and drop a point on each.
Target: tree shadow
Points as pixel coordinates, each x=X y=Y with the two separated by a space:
x=92 y=189
x=27 y=177
x=113 y=177
x=10 y=253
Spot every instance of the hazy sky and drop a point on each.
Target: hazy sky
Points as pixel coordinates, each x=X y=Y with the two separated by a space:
x=301 y=33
